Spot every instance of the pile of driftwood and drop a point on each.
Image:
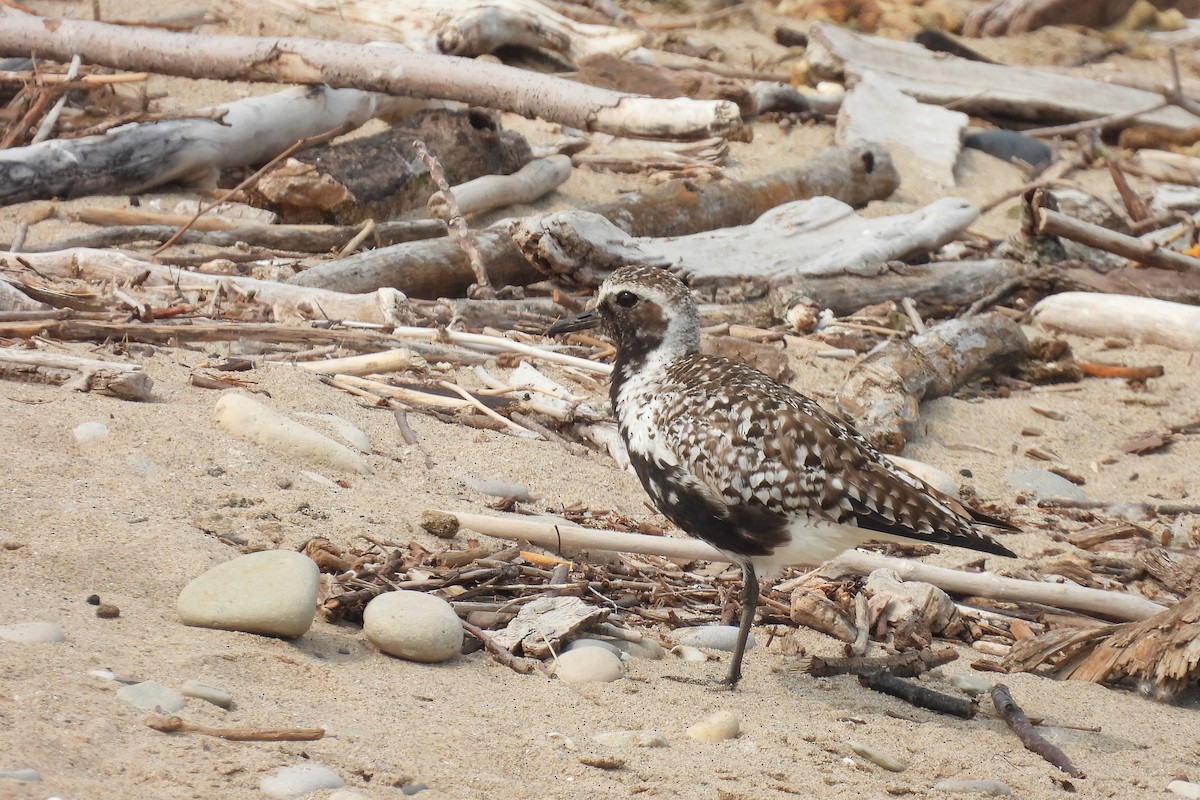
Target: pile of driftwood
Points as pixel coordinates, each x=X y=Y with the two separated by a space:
x=355 y=259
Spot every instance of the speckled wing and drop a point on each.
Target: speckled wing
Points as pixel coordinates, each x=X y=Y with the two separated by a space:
x=757 y=444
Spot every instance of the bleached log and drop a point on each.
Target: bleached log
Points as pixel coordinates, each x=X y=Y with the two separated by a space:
x=288 y=302
x=385 y=69
x=1140 y=319
x=534 y=180
x=399 y=360
x=855 y=175
x=126 y=381
x=136 y=157
x=473 y=28
x=979 y=88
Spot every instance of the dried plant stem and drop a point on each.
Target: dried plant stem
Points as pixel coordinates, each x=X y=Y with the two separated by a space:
x=458 y=225
x=1033 y=741
x=178 y=725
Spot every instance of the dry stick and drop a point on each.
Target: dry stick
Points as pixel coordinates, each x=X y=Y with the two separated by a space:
x=909 y=664
x=483 y=286
x=299 y=145
x=515 y=663
x=367 y=229
x=178 y=725
x=1033 y=741
x=479 y=405
x=1053 y=223
x=406 y=431
x=51 y=118
x=921 y=696
x=1145 y=508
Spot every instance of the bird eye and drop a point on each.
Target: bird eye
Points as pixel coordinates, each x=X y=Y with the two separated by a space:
x=626 y=299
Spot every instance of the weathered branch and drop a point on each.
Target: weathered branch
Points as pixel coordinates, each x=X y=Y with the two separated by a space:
x=1141 y=319
x=1033 y=741
x=126 y=381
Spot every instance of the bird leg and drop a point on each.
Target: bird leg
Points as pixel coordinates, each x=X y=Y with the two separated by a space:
x=749 y=608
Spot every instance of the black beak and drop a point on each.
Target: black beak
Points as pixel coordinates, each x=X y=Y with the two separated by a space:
x=579 y=322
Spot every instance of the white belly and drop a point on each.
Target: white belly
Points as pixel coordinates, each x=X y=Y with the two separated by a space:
x=814 y=542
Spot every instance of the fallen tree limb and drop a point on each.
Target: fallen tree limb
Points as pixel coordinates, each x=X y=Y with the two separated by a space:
x=855 y=175
x=1141 y=319
x=908 y=664
x=126 y=381
x=388 y=70
x=883 y=392
x=921 y=696
x=532 y=181
x=1033 y=741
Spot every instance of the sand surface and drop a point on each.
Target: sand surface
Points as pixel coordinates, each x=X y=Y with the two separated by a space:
x=136 y=515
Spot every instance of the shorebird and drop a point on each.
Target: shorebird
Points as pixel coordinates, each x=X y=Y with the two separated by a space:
x=747 y=464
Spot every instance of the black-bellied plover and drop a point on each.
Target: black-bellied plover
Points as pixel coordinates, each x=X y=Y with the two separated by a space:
x=745 y=463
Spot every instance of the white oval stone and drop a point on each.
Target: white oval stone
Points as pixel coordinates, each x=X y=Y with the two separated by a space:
x=244 y=416
x=575 y=644
x=715 y=637
x=273 y=592
x=413 y=625
x=202 y=691
x=631 y=739
x=690 y=654
x=150 y=695
x=716 y=728
x=1184 y=788
x=648 y=649
x=299 y=780
x=588 y=665
x=88 y=432
x=972 y=685
x=32 y=633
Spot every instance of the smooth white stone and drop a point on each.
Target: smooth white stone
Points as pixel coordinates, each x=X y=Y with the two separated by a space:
x=299 y=780
x=631 y=739
x=202 y=691
x=273 y=592
x=611 y=647
x=715 y=637
x=32 y=633
x=246 y=417
x=648 y=649
x=588 y=665
x=88 y=432
x=28 y=774
x=1184 y=789
x=690 y=654
x=413 y=625
x=717 y=727
x=972 y=685
x=988 y=788
x=150 y=695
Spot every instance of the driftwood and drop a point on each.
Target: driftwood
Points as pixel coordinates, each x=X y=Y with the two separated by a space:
x=136 y=157
x=985 y=89
x=126 y=381
x=1140 y=319
x=883 y=392
x=1009 y=17
x=1033 y=741
x=534 y=180
x=908 y=664
x=287 y=301
x=855 y=175
x=1161 y=654
x=540 y=626
x=384 y=69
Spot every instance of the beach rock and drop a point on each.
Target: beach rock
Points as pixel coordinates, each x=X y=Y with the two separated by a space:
x=578 y=643
x=414 y=626
x=1185 y=789
x=972 y=685
x=643 y=738
x=716 y=728
x=150 y=695
x=246 y=417
x=715 y=637
x=32 y=633
x=588 y=665
x=690 y=654
x=202 y=691
x=28 y=774
x=88 y=432
x=985 y=788
x=1045 y=484
x=647 y=648
x=273 y=592
x=299 y=780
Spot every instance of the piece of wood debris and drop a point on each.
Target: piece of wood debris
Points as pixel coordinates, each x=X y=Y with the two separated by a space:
x=126 y=381
x=908 y=664
x=814 y=610
x=178 y=725
x=541 y=625
x=918 y=695
x=1139 y=319
x=1033 y=741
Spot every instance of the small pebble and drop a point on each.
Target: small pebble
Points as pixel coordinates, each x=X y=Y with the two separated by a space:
x=150 y=695
x=1045 y=484
x=89 y=432
x=202 y=691
x=412 y=788
x=988 y=788
x=93 y=599
x=972 y=685
x=716 y=728
x=631 y=739
x=1007 y=145
x=602 y=761
x=299 y=780
x=715 y=637
x=1184 y=789
x=28 y=774
x=588 y=665
x=32 y=633
x=877 y=756
x=689 y=653
x=414 y=626
x=107 y=611
x=647 y=648
x=611 y=647
x=273 y=592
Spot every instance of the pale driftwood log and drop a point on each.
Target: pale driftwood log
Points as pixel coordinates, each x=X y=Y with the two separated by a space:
x=1098 y=602
x=126 y=381
x=855 y=175
x=619 y=154
x=473 y=28
x=1141 y=319
x=399 y=360
x=135 y=157
x=13 y=299
x=979 y=88
x=288 y=302
x=882 y=393
x=532 y=181
x=389 y=70
x=875 y=110
x=567 y=536
x=1010 y=17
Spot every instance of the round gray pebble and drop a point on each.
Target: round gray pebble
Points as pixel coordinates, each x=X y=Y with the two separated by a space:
x=299 y=780
x=150 y=695
x=414 y=626
x=588 y=665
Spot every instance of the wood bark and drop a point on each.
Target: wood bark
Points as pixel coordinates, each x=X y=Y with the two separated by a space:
x=855 y=175
x=388 y=70
x=136 y=157
x=126 y=381
x=883 y=392
x=983 y=89
x=1141 y=319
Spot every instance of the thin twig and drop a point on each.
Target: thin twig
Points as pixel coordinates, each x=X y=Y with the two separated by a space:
x=921 y=696
x=1033 y=741
x=515 y=663
x=401 y=416
x=478 y=404
x=178 y=725
x=462 y=233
